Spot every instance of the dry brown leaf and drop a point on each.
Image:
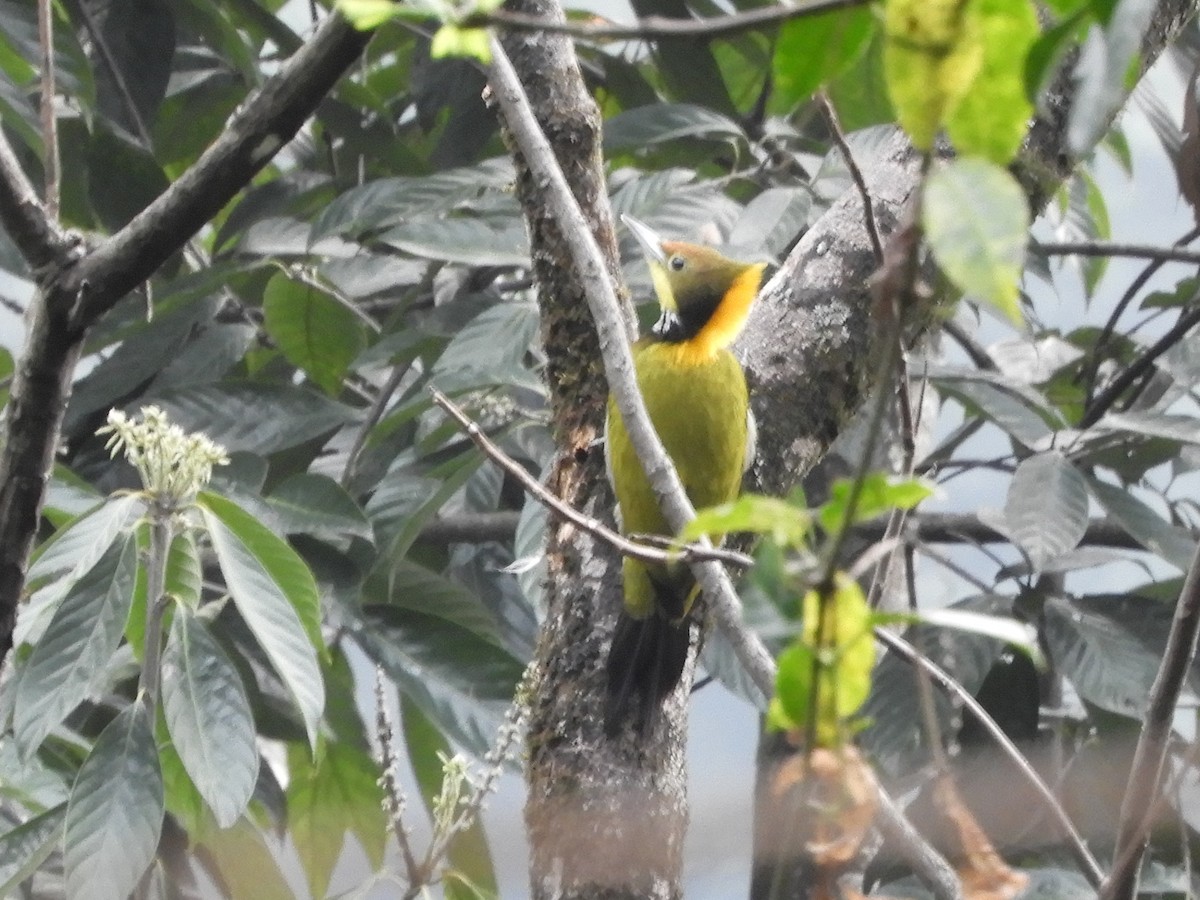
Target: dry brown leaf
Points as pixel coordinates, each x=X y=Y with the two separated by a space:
x=984 y=873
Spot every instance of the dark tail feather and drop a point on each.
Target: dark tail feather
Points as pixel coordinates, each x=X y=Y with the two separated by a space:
x=644 y=665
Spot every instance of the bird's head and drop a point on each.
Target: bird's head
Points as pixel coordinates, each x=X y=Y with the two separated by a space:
x=701 y=293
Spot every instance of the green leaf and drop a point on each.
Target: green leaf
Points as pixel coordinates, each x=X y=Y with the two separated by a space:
x=644 y=126
x=70 y=660
x=25 y=847
x=879 y=493
x=1110 y=648
x=260 y=417
x=1004 y=629
x=334 y=793
x=1020 y=411
x=209 y=718
x=453 y=40
x=838 y=648
x=811 y=51
x=1173 y=544
x=931 y=56
x=976 y=220
x=991 y=118
x=1047 y=507
x=1107 y=54
x=115 y=813
x=78 y=545
x=367 y=14
x=787 y=523
x=184 y=576
x=492 y=238
x=316 y=504
x=277 y=596
x=313 y=330
x=243 y=865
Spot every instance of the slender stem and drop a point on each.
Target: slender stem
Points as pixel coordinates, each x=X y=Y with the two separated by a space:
x=1087 y=863
x=1114 y=248
x=1110 y=395
x=1146 y=773
x=656 y=27
x=156 y=604
x=839 y=136
x=45 y=13
x=619 y=542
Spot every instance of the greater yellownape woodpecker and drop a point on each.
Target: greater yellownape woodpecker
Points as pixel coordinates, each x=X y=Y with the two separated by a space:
x=696 y=396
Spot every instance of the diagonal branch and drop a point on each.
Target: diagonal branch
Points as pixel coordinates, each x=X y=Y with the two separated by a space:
x=1146 y=774
x=659 y=27
x=23 y=216
x=76 y=290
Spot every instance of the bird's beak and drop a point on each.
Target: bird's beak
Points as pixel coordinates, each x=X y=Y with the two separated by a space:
x=646 y=236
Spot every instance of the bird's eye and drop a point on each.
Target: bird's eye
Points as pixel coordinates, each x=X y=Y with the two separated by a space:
x=677 y=263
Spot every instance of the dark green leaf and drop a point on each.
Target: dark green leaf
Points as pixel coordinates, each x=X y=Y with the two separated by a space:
x=25 y=847
x=1020 y=411
x=209 y=718
x=259 y=417
x=318 y=505
x=115 y=813
x=69 y=661
x=315 y=331
x=276 y=595
x=1173 y=544
x=815 y=49
x=496 y=238
x=648 y=125
x=1109 y=647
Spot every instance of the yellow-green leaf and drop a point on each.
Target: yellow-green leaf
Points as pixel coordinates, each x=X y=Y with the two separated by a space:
x=367 y=14
x=991 y=119
x=976 y=220
x=452 y=40
x=932 y=54
x=754 y=513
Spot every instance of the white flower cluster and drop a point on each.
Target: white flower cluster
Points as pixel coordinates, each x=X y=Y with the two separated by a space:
x=173 y=464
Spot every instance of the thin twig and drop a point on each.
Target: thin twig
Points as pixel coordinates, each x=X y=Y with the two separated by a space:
x=45 y=13
x=597 y=529
x=1115 y=248
x=374 y=414
x=839 y=137
x=657 y=27
x=118 y=77
x=1087 y=863
x=618 y=362
x=27 y=222
x=1119 y=385
x=1092 y=366
x=970 y=346
x=1146 y=773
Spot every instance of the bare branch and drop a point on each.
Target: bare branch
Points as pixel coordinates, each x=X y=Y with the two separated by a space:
x=1114 y=248
x=27 y=222
x=662 y=27
x=839 y=137
x=45 y=14
x=75 y=292
x=645 y=552
x=259 y=129
x=1107 y=398
x=906 y=651
x=1145 y=776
